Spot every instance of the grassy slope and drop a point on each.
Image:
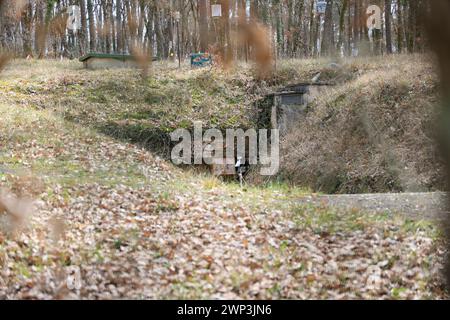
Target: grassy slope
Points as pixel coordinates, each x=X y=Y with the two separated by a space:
x=139 y=228
x=119 y=103
x=374 y=133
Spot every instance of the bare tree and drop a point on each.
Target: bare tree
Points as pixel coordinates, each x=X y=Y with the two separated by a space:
x=27 y=28
x=387 y=20
x=92 y=27
x=119 y=25
x=328 y=31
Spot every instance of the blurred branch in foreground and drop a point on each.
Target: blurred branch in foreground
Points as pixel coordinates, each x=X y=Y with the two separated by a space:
x=439 y=32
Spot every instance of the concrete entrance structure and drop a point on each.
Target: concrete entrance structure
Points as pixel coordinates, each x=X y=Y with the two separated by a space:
x=96 y=61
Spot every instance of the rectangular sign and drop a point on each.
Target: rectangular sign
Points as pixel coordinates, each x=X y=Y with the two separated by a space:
x=201 y=59
x=321 y=6
x=216 y=10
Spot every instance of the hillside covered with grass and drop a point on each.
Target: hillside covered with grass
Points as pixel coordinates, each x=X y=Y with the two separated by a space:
x=86 y=191
x=373 y=133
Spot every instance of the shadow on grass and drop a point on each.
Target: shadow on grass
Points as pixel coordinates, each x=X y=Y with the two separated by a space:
x=156 y=140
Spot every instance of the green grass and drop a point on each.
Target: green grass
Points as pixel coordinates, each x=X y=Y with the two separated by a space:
x=327 y=220
x=48 y=133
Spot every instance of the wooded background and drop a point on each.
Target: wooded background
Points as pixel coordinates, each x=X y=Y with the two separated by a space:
x=295 y=29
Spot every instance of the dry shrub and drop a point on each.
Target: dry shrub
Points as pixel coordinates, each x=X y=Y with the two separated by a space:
x=373 y=134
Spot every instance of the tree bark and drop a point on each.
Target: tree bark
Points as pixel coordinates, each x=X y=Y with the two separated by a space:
x=400 y=30
x=6 y=24
x=119 y=27
x=387 y=9
x=83 y=32
x=342 y=24
x=411 y=34
x=92 y=31
x=203 y=25
x=27 y=21
x=328 y=32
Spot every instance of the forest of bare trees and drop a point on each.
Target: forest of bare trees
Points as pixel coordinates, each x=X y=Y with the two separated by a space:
x=297 y=29
x=94 y=203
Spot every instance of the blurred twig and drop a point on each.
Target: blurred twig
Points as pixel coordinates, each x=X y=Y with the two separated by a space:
x=438 y=26
x=4 y=58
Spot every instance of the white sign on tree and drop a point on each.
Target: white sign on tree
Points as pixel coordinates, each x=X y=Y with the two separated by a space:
x=321 y=6
x=216 y=10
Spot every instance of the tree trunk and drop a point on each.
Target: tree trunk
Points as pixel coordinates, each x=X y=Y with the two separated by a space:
x=113 y=27
x=400 y=30
x=159 y=34
x=83 y=31
x=119 y=27
x=225 y=23
x=107 y=26
x=203 y=25
x=328 y=32
x=27 y=21
x=92 y=31
x=312 y=37
x=141 y=22
x=253 y=10
x=348 y=43
x=298 y=29
x=342 y=25
x=411 y=34
x=387 y=8
x=356 y=26
x=39 y=35
x=7 y=25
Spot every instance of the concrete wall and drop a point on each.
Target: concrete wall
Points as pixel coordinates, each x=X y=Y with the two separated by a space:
x=286 y=112
x=108 y=63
